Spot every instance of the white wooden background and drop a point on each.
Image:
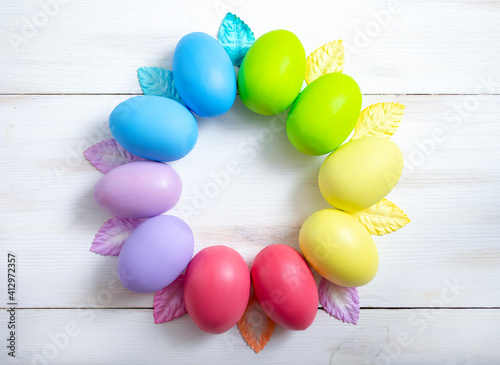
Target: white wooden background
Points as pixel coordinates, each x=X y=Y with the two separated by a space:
x=436 y=298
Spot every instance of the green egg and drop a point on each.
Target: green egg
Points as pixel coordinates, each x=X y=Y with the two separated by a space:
x=272 y=72
x=324 y=114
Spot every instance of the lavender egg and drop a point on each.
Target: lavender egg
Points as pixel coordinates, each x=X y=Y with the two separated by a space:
x=155 y=254
x=140 y=189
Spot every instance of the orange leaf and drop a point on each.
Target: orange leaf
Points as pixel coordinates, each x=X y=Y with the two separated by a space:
x=255 y=326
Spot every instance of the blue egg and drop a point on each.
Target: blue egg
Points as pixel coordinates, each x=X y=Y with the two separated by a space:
x=204 y=75
x=154 y=127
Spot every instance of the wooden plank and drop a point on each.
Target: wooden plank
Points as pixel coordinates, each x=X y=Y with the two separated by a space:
x=381 y=337
x=71 y=306
x=418 y=47
x=448 y=256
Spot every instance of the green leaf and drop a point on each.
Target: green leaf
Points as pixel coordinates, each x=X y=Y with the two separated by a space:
x=236 y=37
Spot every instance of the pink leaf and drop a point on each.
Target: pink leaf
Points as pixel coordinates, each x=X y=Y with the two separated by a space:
x=339 y=301
x=110 y=238
x=169 y=302
x=108 y=154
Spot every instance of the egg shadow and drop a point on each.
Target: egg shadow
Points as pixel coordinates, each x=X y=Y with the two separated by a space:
x=87 y=214
x=248 y=118
x=191 y=331
x=281 y=333
x=307 y=195
x=202 y=122
x=110 y=293
x=167 y=56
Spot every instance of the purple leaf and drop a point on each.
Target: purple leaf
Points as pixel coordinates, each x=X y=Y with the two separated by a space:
x=339 y=301
x=169 y=302
x=108 y=154
x=110 y=238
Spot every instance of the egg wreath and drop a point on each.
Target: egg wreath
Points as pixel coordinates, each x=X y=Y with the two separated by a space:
x=137 y=188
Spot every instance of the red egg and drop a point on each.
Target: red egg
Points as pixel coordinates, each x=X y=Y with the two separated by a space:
x=285 y=287
x=216 y=288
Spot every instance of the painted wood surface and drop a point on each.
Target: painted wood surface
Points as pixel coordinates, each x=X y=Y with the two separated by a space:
x=415 y=47
x=52 y=217
x=129 y=336
x=245 y=186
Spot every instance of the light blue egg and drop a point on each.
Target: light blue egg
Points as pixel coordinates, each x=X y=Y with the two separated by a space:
x=154 y=128
x=204 y=75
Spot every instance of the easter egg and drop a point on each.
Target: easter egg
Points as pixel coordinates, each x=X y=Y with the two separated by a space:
x=339 y=248
x=204 y=75
x=140 y=189
x=216 y=288
x=324 y=114
x=272 y=72
x=155 y=254
x=285 y=287
x=154 y=127
x=360 y=173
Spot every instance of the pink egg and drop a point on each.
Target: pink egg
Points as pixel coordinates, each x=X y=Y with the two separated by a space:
x=140 y=189
x=285 y=287
x=216 y=288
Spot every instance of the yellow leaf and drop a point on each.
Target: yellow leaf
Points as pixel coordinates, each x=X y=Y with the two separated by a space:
x=380 y=119
x=326 y=59
x=384 y=217
x=255 y=326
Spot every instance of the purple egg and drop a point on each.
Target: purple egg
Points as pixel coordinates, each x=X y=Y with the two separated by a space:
x=140 y=189
x=155 y=254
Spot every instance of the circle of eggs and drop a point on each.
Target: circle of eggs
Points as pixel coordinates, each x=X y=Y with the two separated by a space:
x=155 y=254
x=217 y=281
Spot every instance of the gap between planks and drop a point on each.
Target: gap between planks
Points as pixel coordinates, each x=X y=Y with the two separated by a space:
x=136 y=94
x=319 y=308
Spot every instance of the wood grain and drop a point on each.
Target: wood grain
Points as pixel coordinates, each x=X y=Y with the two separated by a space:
x=381 y=337
x=245 y=186
x=417 y=47
x=451 y=195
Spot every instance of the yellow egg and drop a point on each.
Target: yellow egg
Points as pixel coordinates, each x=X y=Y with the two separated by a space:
x=360 y=173
x=339 y=248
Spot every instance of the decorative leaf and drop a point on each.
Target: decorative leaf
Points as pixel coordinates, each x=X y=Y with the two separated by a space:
x=110 y=238
x=236 y=37
x=255 y=326
x=324 y=60
x=339 y=301
x=380 y=119
x=169 y=302
x=158 y=81
x=108 y=154
x=381 y=218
